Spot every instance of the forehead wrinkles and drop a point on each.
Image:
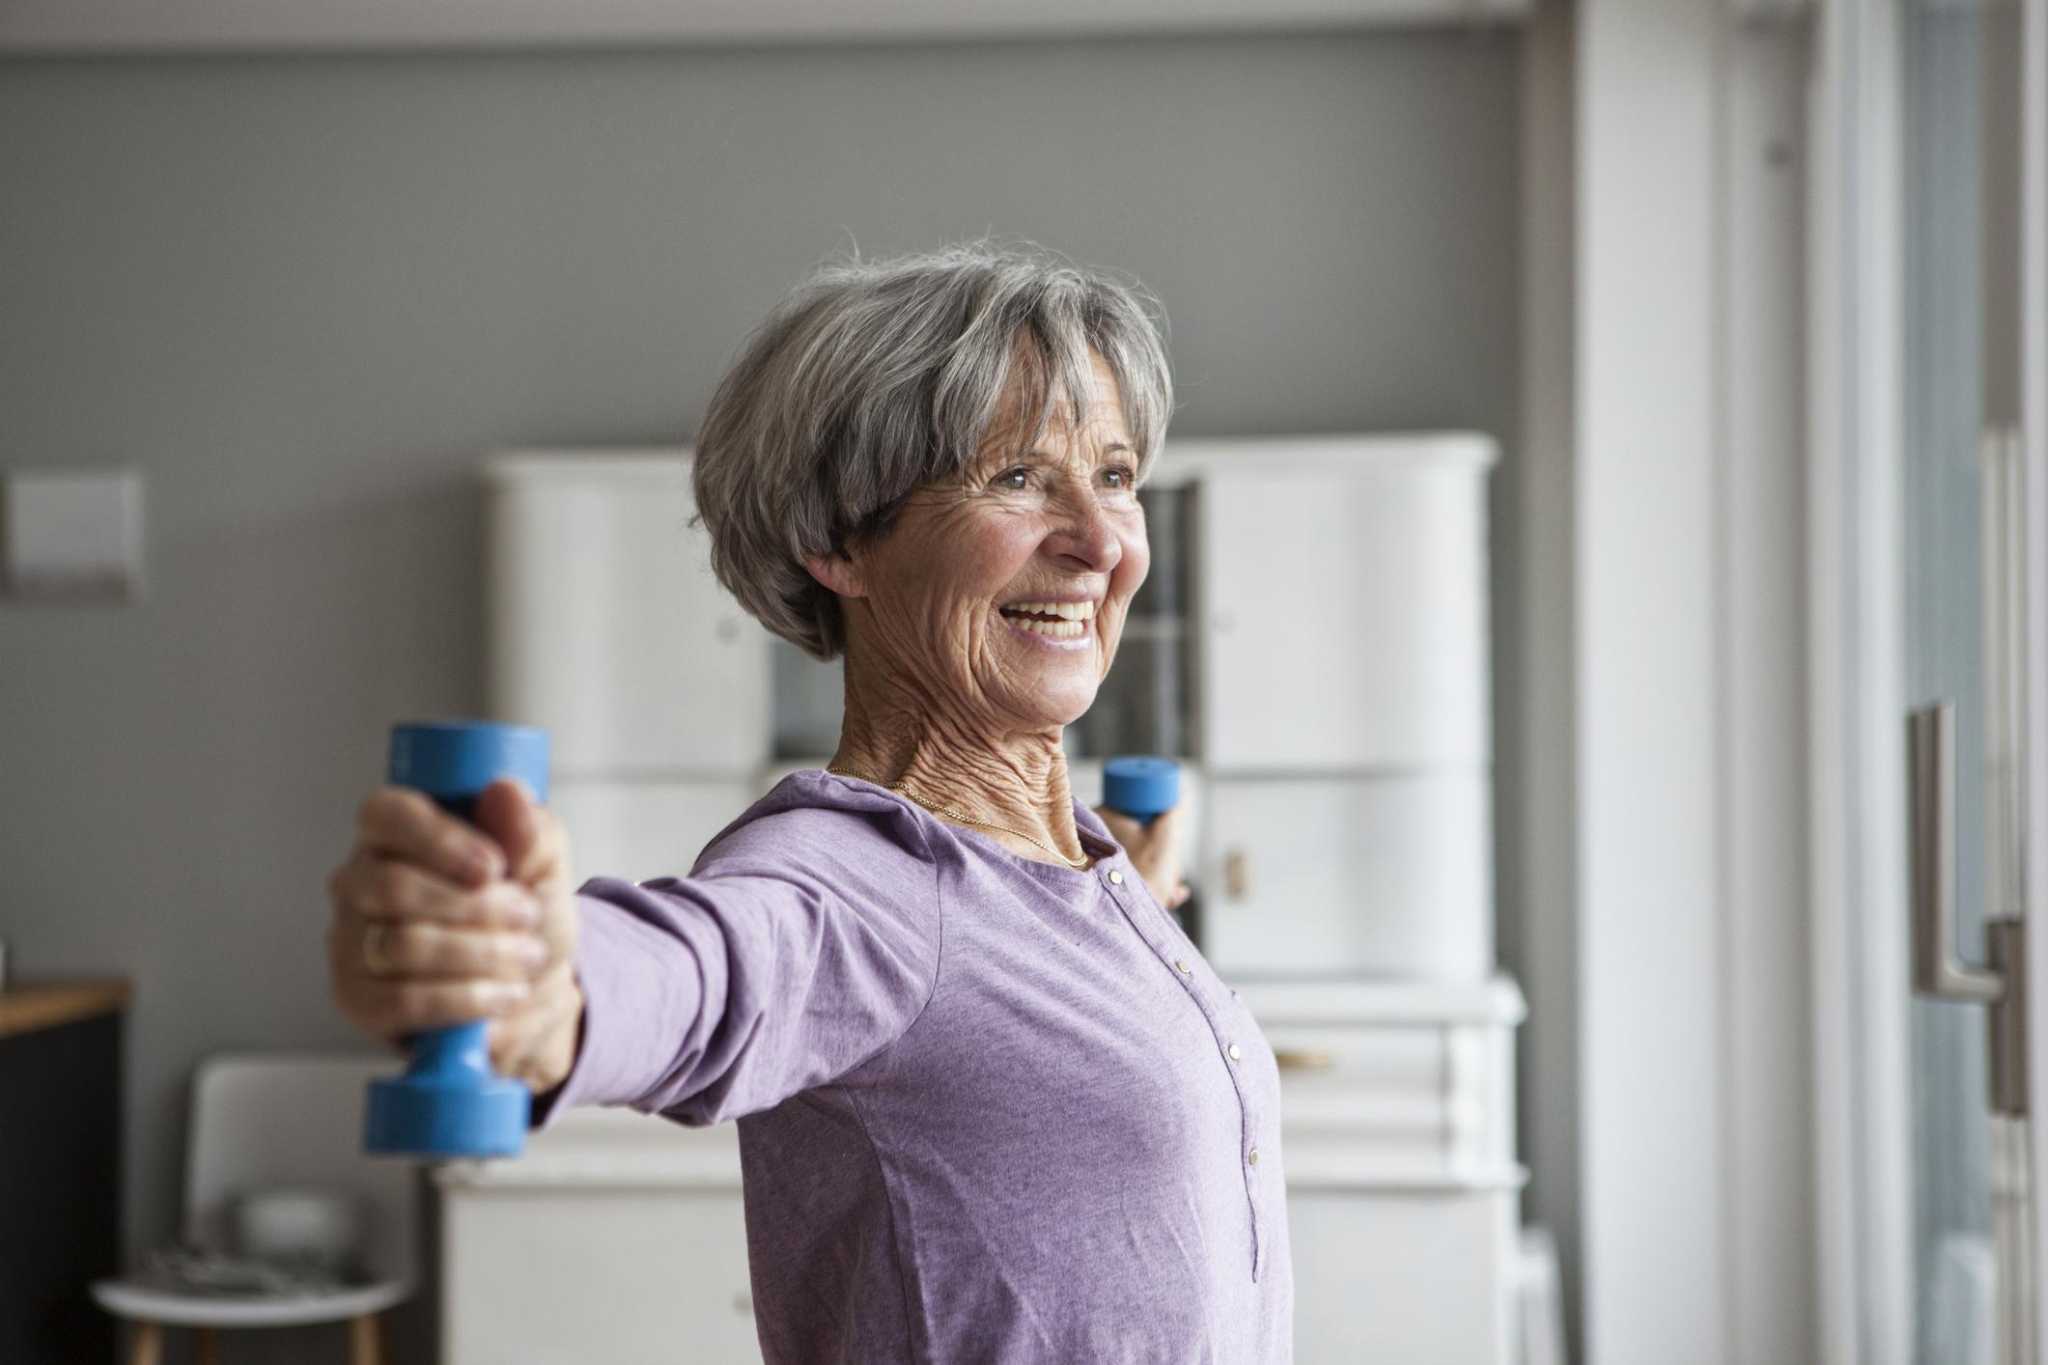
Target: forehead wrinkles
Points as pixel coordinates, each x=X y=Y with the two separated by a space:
x=1038 y=400
x=1056 y=438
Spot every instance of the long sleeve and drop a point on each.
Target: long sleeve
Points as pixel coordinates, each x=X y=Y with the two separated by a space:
x=803 y=943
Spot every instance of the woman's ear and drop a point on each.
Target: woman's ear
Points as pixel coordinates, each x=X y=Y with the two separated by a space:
x=837 y=574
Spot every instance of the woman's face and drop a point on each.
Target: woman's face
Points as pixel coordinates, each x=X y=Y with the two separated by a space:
x=1003 y=595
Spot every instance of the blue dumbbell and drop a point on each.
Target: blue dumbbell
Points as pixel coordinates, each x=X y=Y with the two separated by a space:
x=1141 y=787
x=449 y=1103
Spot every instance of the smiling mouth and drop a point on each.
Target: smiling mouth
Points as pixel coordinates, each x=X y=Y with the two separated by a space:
x=1054 y=620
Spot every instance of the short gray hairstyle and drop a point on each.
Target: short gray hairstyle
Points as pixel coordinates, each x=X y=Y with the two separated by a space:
x=874 y=378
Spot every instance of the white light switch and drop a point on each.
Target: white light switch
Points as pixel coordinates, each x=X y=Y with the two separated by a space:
x=72 y=535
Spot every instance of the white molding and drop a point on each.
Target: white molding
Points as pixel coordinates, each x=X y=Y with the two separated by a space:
x=1650 y=77
x=70 y=26
x=1766 y=999
x=2034 y=460
x=1862 y=1135
x=1835 y=1268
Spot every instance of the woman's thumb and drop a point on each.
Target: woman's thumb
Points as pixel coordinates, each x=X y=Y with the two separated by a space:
x=506 y=810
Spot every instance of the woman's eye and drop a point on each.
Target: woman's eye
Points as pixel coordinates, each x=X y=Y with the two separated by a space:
x=1016 y=479
x=1119 y=476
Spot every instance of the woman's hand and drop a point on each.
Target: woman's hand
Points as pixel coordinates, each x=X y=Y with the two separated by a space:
x=1154 y=850
x=470 y=922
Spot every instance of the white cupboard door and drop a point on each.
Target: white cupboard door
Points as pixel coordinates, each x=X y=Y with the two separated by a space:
x=1361 y=876
x=1392 y=1275
x=1341 y=617
x=609 y=1273
x=637 y=831
x=607 y=627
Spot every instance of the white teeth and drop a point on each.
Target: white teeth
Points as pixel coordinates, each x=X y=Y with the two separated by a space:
x=1069 y=611
x=1058 y=630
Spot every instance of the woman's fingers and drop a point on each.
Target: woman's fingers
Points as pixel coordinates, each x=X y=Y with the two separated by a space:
x=444 y=953
x=393 y=1009
x=527 y=1043
x=416 y=949
x=1122 y=828
x=533 y=841
x=377 y=887
x=424 y=982
x=460 y=922
x=401 y=823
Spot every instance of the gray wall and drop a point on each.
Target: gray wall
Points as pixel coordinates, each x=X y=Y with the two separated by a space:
x=303 y=293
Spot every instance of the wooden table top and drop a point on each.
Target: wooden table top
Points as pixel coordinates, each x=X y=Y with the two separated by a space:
x=27 y=1006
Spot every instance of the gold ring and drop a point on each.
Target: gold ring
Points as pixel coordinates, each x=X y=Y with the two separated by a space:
x=375 y=962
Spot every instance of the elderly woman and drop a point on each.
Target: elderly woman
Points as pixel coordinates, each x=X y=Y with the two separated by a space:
x=993 y=1105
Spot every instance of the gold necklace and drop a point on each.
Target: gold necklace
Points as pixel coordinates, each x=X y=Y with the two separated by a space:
x=963 y=819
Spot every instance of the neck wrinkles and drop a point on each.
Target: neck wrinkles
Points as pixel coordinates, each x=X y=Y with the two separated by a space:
x=908 y=738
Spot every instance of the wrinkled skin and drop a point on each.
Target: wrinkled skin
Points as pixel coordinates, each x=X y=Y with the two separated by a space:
x=949 y=702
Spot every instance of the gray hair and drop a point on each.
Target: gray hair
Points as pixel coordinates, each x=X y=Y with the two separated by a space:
x=874 y=378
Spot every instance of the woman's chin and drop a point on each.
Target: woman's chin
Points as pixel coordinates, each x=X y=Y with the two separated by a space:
x=1056 y=704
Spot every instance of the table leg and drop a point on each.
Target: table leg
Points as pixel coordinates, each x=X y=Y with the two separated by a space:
x=366 y=1340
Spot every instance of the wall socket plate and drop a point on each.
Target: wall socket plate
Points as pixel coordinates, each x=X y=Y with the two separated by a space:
x=71 y=535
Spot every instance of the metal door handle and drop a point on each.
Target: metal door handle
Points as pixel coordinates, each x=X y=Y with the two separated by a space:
x=1237 y=874
x=1931 y=794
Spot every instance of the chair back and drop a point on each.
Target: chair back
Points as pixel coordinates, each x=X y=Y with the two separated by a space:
x=264 y=1120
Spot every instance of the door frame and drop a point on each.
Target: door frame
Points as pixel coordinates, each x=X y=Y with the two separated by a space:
x=1861 y=1035
x=1863 y=1158
x=2034 y=459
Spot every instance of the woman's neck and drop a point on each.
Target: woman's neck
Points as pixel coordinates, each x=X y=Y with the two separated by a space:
x=909 y=741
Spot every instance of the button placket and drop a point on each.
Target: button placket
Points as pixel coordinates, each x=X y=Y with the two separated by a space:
x=1248 y=1115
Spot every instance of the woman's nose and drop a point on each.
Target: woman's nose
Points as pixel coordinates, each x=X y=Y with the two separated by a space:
x=1084 y=535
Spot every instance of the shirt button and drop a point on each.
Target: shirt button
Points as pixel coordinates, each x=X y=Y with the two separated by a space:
x=1116 y=878
x=1235 y=1054
x=1180 y=964
x=1251 y=1158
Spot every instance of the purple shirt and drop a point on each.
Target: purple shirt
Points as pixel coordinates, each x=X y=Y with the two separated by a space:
x=990 y=1109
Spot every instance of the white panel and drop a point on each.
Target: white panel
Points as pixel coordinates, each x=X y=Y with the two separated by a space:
x=71 y=534
x=1387 y=1277
x=1342 y=619
x=1380 y=876
x=626 y=1276
x=607 y=627
x=641 y=830
x=613 y=1237
x=1650 y=1022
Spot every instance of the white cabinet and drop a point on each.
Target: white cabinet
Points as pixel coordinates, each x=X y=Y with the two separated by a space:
x=1403 y=1194
x=606 y=627
x=1315 y=876
x=640 y=830
x=1341 y=623
x=1341 y=693
x=613 y=1238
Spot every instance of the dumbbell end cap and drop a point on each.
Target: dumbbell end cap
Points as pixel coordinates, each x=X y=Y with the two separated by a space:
x=412 y=1116
x=1140 y=785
